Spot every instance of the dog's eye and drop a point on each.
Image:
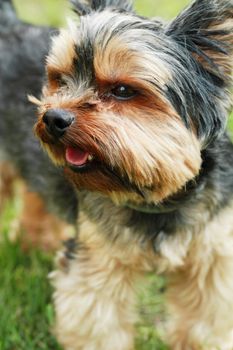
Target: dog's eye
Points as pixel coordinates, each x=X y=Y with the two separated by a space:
x=123 y=92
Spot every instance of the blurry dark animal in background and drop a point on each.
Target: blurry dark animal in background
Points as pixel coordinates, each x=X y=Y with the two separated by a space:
x=23 y=48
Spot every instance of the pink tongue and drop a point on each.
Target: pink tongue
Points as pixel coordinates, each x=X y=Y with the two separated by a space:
x=76 y=156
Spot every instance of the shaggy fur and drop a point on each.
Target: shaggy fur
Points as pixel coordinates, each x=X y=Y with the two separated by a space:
x=134 y=111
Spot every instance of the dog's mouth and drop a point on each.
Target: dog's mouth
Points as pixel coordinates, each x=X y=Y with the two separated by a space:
x=93 y=170
x=79 y=159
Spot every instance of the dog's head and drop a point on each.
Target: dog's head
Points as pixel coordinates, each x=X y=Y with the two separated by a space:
x=131 y=102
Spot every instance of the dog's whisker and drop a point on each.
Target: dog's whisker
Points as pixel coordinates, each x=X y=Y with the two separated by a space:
x=34 y=100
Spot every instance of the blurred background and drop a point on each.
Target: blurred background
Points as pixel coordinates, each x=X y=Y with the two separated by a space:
x=53 y=12
x=26 y=311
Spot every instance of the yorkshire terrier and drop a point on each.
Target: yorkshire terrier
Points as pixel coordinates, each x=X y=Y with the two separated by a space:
x=135 y=110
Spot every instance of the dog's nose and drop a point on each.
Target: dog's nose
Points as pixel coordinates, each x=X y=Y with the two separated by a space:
x=57 y=121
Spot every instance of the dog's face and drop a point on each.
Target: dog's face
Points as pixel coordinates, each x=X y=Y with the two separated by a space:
x=131 y=102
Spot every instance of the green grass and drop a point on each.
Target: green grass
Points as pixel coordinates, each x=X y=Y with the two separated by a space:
x=25 y=301
x=54 y=11
x=26 y=312
x=46 y=12
x=230 y=124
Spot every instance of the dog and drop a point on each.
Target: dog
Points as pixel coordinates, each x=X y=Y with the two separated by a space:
x=134 y=112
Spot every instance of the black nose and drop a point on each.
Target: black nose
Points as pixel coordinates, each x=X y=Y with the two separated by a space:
x=57 y=121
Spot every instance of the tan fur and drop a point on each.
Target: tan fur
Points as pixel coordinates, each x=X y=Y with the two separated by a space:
x=201 y=290
x=222 y=60
x=94 y=295
x=227 y=25
x=123 y=63
x=63 y=50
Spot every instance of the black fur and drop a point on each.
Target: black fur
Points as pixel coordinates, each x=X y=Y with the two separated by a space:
x=83 y=63
x=192 y=32
x=83 y=9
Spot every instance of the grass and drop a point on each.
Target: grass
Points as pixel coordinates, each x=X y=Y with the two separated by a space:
x=25 y=294
x=26 y=312
x=53 y=12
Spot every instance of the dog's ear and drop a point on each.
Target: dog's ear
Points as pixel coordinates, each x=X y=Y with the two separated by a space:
x=83 y=7
x=206 y=30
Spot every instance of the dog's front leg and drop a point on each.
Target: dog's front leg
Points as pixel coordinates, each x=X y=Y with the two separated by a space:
x=94 y=299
